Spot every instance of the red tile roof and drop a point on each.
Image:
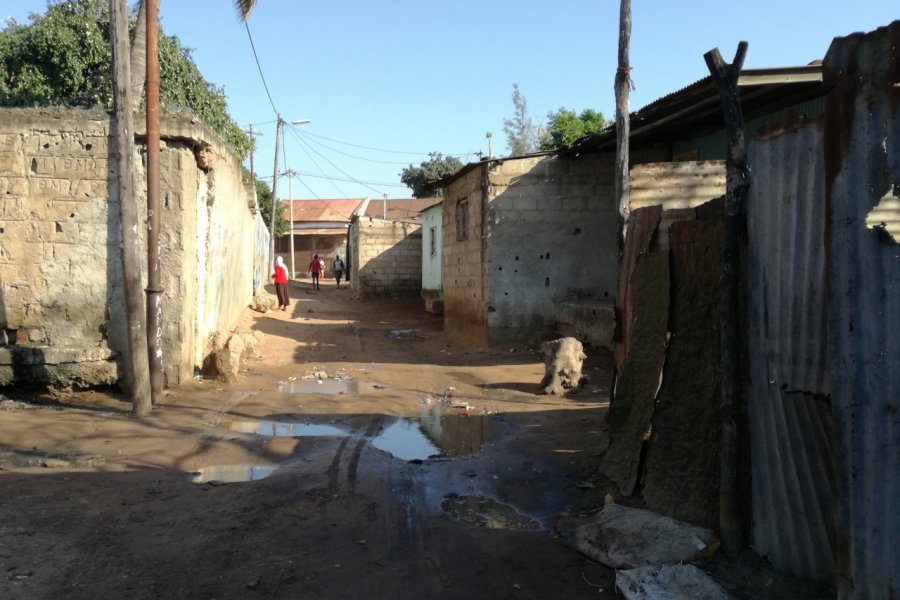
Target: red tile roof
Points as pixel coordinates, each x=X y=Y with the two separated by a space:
x=311 y=211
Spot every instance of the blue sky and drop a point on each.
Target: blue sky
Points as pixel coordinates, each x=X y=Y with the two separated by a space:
x=384 y=83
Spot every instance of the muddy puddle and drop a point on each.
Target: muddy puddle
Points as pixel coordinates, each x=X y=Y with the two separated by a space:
x=231 y=473
x=482 y=511
x=435 y=433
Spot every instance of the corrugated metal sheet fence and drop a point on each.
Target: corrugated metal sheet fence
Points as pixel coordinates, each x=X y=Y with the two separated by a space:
x=862 y=165
x=788 y=402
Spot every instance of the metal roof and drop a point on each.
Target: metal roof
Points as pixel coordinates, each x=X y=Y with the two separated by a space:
x=698 y=106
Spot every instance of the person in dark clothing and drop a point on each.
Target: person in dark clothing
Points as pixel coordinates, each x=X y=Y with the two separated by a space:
x=338 y=268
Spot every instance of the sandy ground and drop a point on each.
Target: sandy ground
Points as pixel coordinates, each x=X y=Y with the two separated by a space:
x=382 y=461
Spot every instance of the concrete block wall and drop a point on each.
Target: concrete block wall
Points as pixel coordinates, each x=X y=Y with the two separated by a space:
x=552 y=237
x=465 y=306
x=386 y=258
x=60 y=263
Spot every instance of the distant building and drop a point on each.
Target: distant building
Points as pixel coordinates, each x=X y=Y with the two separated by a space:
x=319 y=227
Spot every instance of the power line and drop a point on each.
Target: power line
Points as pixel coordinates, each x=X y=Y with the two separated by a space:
x=372 y=160
x=382 y=149
x=258 y=66
x=337 y=168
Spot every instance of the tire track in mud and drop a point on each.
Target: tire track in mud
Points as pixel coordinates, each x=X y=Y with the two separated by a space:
x=353 y=467
x=334 y=469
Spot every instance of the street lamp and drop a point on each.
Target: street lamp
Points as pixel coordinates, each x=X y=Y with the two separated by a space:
x=278 y=134
x=291 y=174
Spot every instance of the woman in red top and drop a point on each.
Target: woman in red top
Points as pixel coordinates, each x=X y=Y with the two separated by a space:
x=281 y=283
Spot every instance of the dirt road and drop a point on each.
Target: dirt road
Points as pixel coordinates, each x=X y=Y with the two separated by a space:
x=363 y=456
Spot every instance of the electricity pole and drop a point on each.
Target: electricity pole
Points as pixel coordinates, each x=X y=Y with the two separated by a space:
x=290 y=174
x=275 y=194
x=252 y=132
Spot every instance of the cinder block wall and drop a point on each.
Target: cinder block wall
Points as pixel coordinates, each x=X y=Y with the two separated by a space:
x=552 y=231
x=60 y=263
x=387 y=258
x=465 y=305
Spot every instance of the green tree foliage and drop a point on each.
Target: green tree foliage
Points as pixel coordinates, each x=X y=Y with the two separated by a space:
x=522 y=134
x=63 y=58
x=565 y=126
x=435 y=167
x=264 y=199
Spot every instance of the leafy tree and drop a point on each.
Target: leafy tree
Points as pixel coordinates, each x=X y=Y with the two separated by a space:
x=264 y=198
x=435 y=167
x=522 y=134
x=62 y=58
x=565 y=126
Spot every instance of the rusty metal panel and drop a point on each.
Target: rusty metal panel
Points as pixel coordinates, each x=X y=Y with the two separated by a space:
x=862 y=165
x=788 y=402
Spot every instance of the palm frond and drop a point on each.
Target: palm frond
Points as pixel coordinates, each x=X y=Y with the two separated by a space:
x=244 y=8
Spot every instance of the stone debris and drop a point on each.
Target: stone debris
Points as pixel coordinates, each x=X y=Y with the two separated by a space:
x=263 y=303
x=625 y=538
x=668 y=582
x=563 y=359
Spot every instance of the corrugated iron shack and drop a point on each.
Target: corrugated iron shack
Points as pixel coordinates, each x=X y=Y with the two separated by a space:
x=821 y=304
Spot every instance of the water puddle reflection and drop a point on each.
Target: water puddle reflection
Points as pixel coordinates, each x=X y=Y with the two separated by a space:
x=333 y=387
x=231 y=473
x=437 y=432
x=286 y=429
x=486 y=512
x=405 y=440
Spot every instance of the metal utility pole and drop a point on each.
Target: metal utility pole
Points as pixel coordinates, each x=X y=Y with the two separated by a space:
x=154 y=285
x=275 y=194
x=136 y=363
x=291 y=173
x=623 y=86
x=489 y=135
x=737 y=181
x=252 y=132
x=384 y=206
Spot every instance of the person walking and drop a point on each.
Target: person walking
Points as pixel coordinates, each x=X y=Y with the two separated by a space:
x=315 y=268
x=338 y=268
x=281 y=283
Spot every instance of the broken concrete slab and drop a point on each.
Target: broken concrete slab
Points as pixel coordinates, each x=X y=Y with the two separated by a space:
x=563 y=359
x=625 y=538
x=668 y=582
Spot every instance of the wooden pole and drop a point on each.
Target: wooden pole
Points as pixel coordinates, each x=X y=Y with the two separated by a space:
x=737 y=180
x=623 y=86
x=139 y=56
x=154 y=279
x=135 y=362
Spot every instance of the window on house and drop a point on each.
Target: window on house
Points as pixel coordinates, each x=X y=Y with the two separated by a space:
x=462 y=220
x=434 y=241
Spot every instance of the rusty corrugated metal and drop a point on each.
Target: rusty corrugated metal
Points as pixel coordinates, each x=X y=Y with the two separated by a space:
x=788 y=402
x=862 y=164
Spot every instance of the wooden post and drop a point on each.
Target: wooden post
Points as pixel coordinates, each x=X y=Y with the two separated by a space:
x=623 y=127
x=737 y=180
x=135 y=363
x=139 y=56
